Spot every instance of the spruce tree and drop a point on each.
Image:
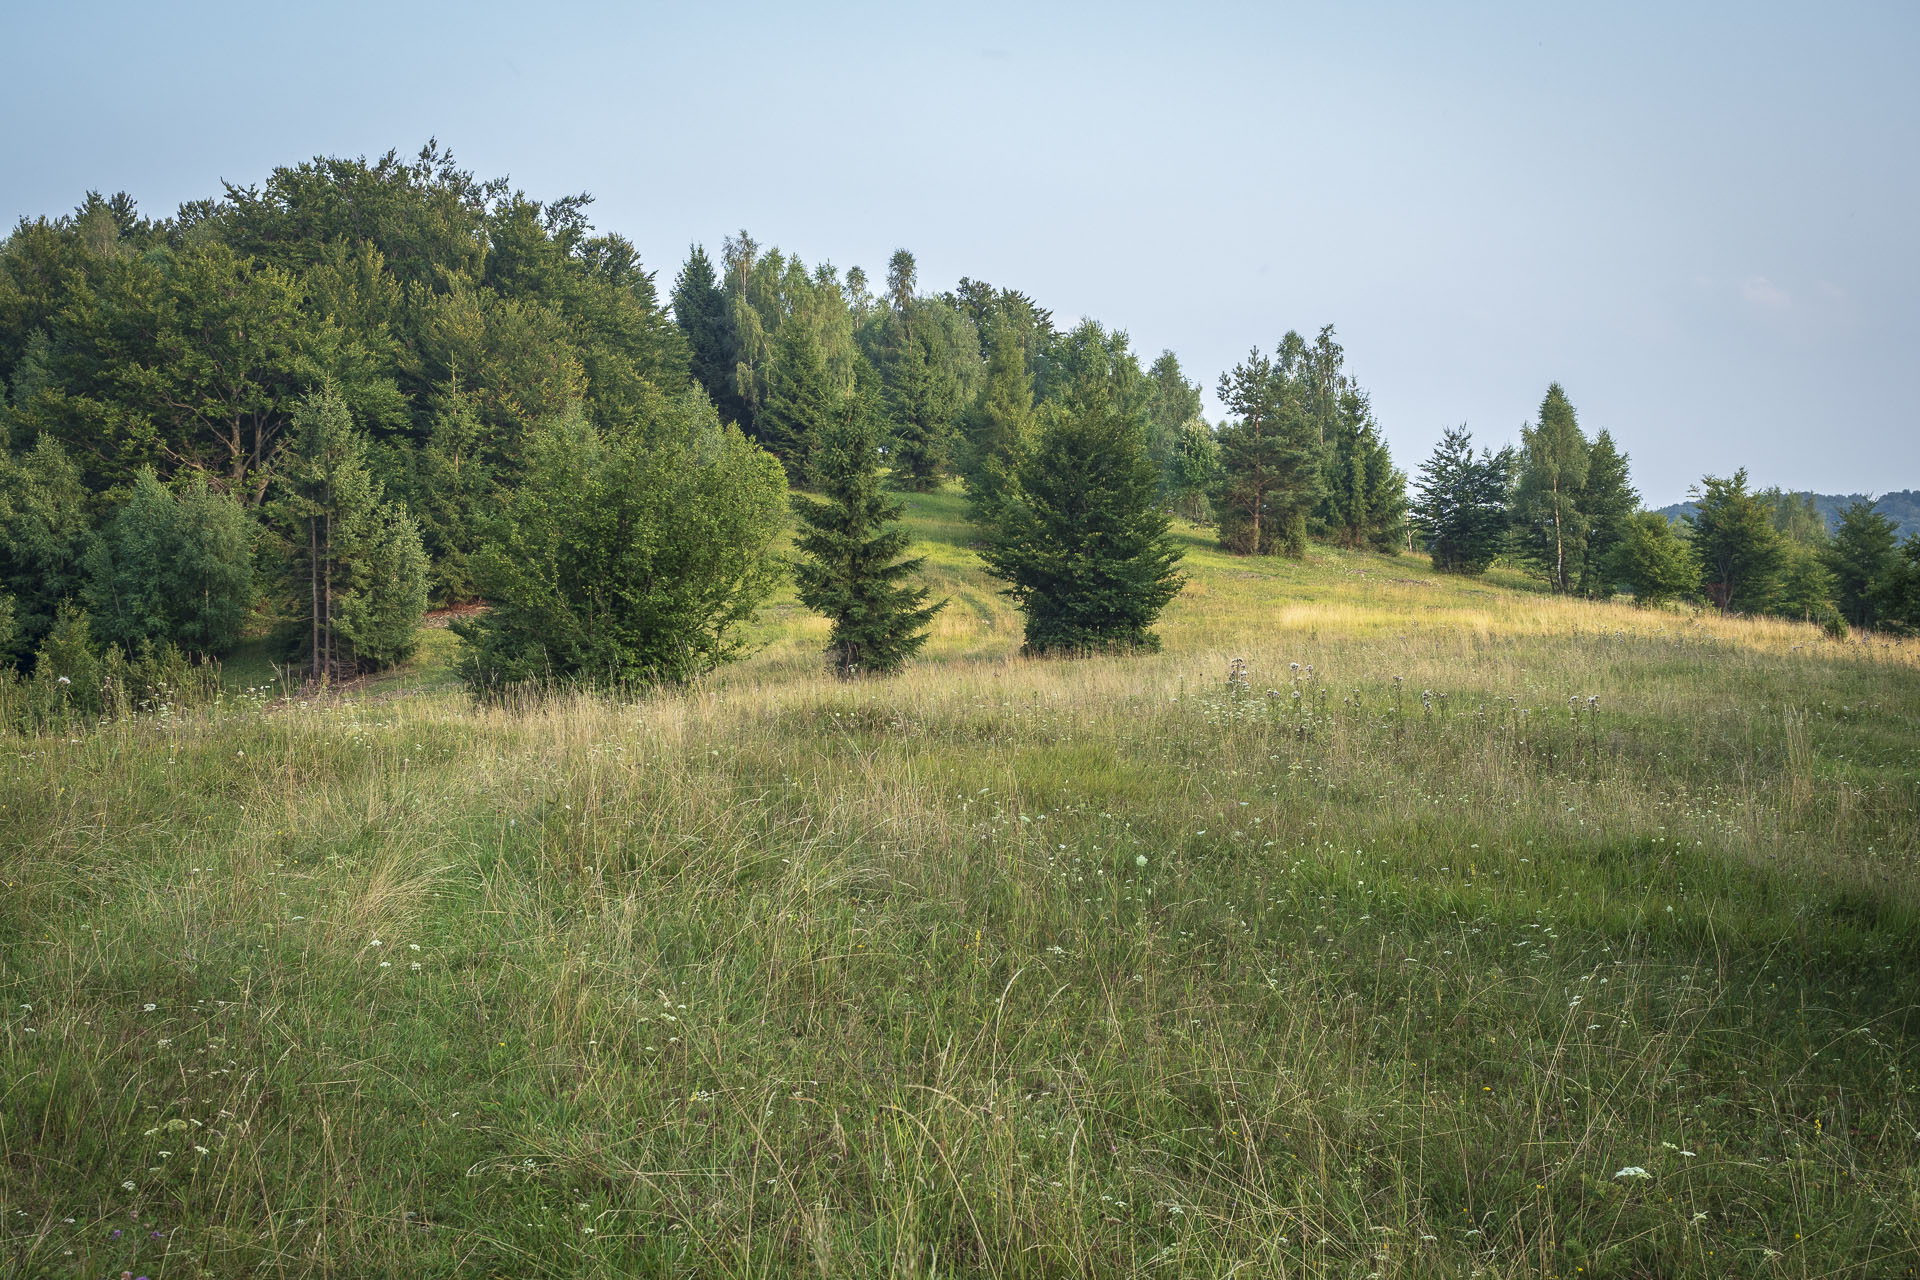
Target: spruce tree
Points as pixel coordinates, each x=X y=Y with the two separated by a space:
x=922 y=394
x=700 y=309
x=359 y=576
x=999 y=428
x=1609 y=501
x=800 y=397
x=1861 y=556
x=1739 y=552
x=852 y=571
x=1269 y=454
x=1363 y=500
x=1460 y=504
x=1081 y=541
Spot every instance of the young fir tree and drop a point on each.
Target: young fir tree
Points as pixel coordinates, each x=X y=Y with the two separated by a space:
x=1460 y=504
x=1269 y=454
x=1739 y=552
x=1550 y=528
x=999 y=428
x=359 y=580
x=67 y=670
x=800 y=397
x=1363 y=495
x=922 y=395
x=1081 y=541
x=1609 y=500
x=1861 y=555
x=701 y=310
x=852 y=571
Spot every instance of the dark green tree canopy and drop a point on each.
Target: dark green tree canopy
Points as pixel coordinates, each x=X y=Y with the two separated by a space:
x=1739 y=551
x=629 y=555
x=1862 y=556
x=1081 y=541
x=1270 y=453
x=172 y=569
x=1461 y=501
x=852 y=568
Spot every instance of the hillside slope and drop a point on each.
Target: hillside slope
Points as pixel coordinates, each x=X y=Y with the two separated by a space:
x=1479 y=933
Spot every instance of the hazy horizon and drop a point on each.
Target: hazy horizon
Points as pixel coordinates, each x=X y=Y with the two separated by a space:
x=1699 y=225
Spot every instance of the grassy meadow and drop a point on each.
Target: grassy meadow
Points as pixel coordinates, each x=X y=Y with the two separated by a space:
x=1475 y=933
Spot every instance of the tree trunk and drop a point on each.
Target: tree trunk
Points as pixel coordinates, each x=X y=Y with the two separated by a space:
x=313 y=581
x=1559 y=550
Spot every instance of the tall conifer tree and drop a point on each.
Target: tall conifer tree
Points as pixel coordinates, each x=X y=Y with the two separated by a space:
x=700 y=309
x=851 y=543
x=1460 y=504
x=1269 y=454
x=800 y=398
x=1081 y=542
x=1000 y=426
x=360 y=571
x=1609 y=501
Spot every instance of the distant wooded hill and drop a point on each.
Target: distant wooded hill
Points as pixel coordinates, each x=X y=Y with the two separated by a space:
x=1901 y=506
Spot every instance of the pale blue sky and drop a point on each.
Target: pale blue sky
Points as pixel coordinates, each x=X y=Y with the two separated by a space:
x=1700 y=218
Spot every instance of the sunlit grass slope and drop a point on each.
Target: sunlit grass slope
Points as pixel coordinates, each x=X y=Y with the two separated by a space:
x=1475 y=933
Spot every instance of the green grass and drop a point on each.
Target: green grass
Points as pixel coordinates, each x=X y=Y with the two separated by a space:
x=999 y=968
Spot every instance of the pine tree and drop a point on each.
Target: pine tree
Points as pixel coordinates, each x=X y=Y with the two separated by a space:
x=800 y=397
x=1739 y=551
x=1081 y=541
x=359 y=583
x=1460 y=507
x=1550 y=529
x=1861 y=555
x=852 y=542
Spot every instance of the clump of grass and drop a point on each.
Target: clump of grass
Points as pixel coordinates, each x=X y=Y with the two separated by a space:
x=1499 y=935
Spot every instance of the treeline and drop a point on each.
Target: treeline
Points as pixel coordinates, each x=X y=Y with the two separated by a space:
x=1564 y=506
x=316 y=406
